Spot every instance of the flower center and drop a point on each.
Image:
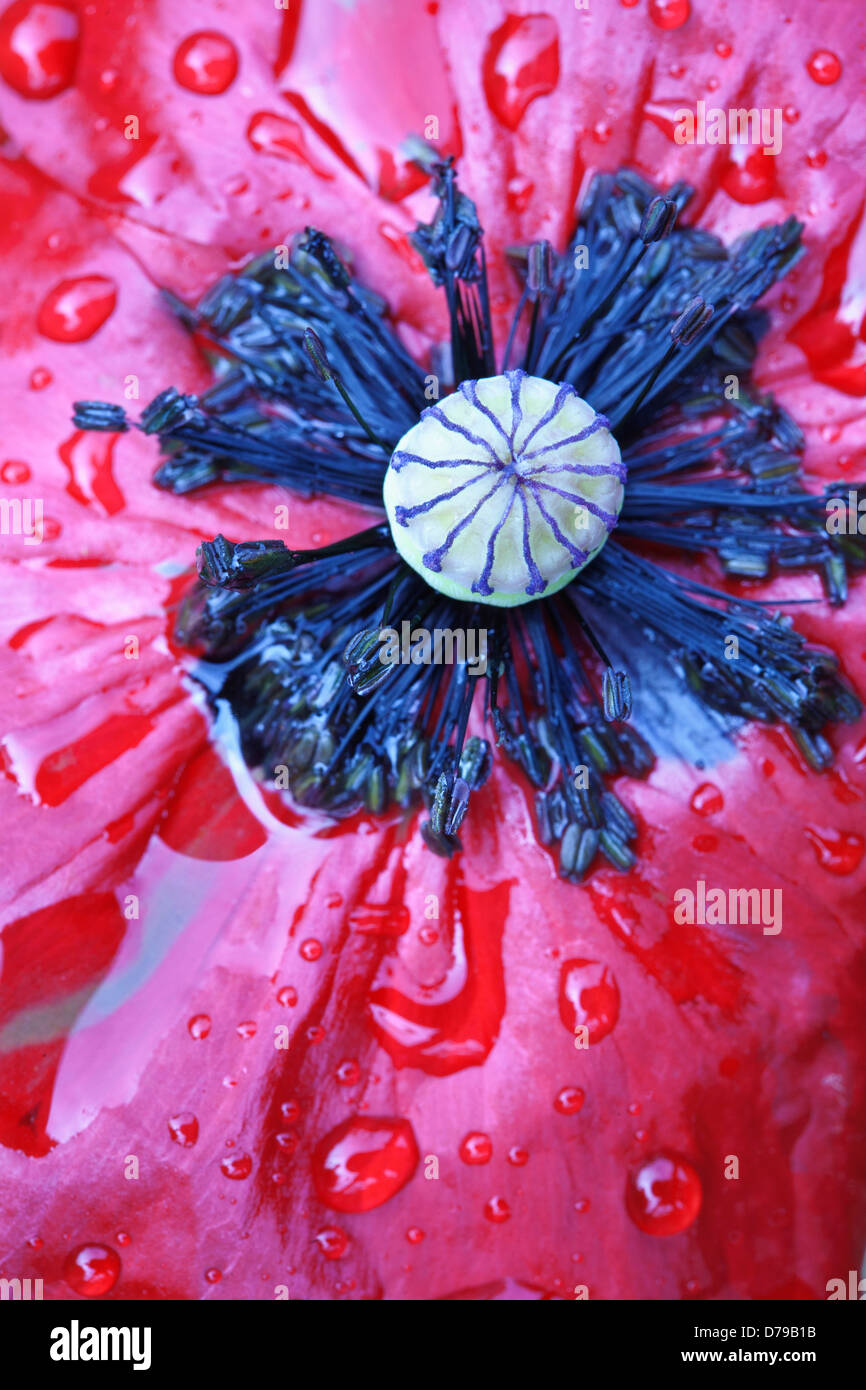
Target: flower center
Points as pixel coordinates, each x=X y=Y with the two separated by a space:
x=505 y=490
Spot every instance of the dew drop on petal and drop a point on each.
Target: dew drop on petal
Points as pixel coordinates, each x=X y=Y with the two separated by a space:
x=707 y=800
x=287 y=996
x=15 y=471
x=75 y=309
x=92 y=1270
x=669 y=14
x=206 y=63
x=476 y=1148
x=521 y=63
x=247 y=1029
x=569 y=1100
x=333 y=1242
x=664 y=1196
x=588 y=997
x=497 y=1210
x=415 y=1235
x=518 y=1156
x=40 y=377
x=311 y=949
x=38 y=47
x=236 y=1166
x=348 y=1072
x=723 y=49
x=183 y=1129
x=290 y=1111
x=836 y=851
x=199 y=1026
x=824 y=67
x=363 y=1162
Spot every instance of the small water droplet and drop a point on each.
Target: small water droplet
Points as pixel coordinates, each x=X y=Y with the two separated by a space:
x=236 y=1166
x=415 y=1235
x=348 y=1072
x=15 y=471
x=123 y=1238
x=199 y=1026
x=497 y=1210
x=723 y=49
x=589 y=998
x=332 y=1242
x=290 y=1111
x=816 y=159
x=837 y=851
x=582 y=1205
x=40 y=377
x=92 y=1270
x=213 y=1276
x=75 y=309
x=287 y=996
x=310 y=949
x=206 y=63
x=664 y=1196
x=518 y=1156
x=518 y=192
x=247 y=1029
x=287 y=1142
x=476 y=1148
x=184 y=1129
x=569 y=1100
x=824 y=67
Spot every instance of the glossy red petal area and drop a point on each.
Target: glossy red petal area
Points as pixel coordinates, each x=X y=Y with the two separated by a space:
x=273 y=1019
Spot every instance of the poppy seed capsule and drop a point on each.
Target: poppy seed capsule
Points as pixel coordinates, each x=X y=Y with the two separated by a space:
x=504 y=490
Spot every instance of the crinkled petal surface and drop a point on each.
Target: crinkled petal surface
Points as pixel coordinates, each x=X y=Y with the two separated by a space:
x=246 y=1050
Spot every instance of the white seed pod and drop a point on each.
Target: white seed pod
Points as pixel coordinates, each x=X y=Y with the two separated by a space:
x=504 y=490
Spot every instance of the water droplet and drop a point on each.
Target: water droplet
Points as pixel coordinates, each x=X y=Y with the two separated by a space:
x=38 y=47
x=75 y=309
x=669 y=14
x=206 y=63
x=415 y=1235
x=236 y=1166
x=290 y=1111
x=582 y=1205
x=749 y=175
x=497 y=1210
x=836 y=851
x=92 y=1270
x=123 y=1238
x=315 y=1033
x=569 y=1100
x=723 y=49
x=476 y=1148
x=213 y=1276
x=311 y=949
x=348 y=1072
x=707 y=800
x=816 y=159
x=184 y=1129
x=36 y=1242
x=332 y=1242
x=287 y=996
x=664 y=1196
x=363 y=1162
x=15 y=471
x=518 y=1156
x=824 y=67
x=287 y=1142
x=519 y=192
x=40 y=377
x=521 y=64
x=247 y=1029
x=283 y=137
x=588 y=997
x=791 y=115
x=199 y=1026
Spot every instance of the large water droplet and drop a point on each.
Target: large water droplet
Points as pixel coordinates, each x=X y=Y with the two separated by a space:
x=183 y=1129
x=476 y=1148
x=824 y=67
x=664 y=1196
x=521 y=64
x=363 y=1162
x=669 y=14
x=206 y=63
x=588 y=997
x=75 y=309
x=38 y=47
x=92 y=1270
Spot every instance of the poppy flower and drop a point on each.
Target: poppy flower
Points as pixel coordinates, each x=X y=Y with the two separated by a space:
x=251 y=1047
